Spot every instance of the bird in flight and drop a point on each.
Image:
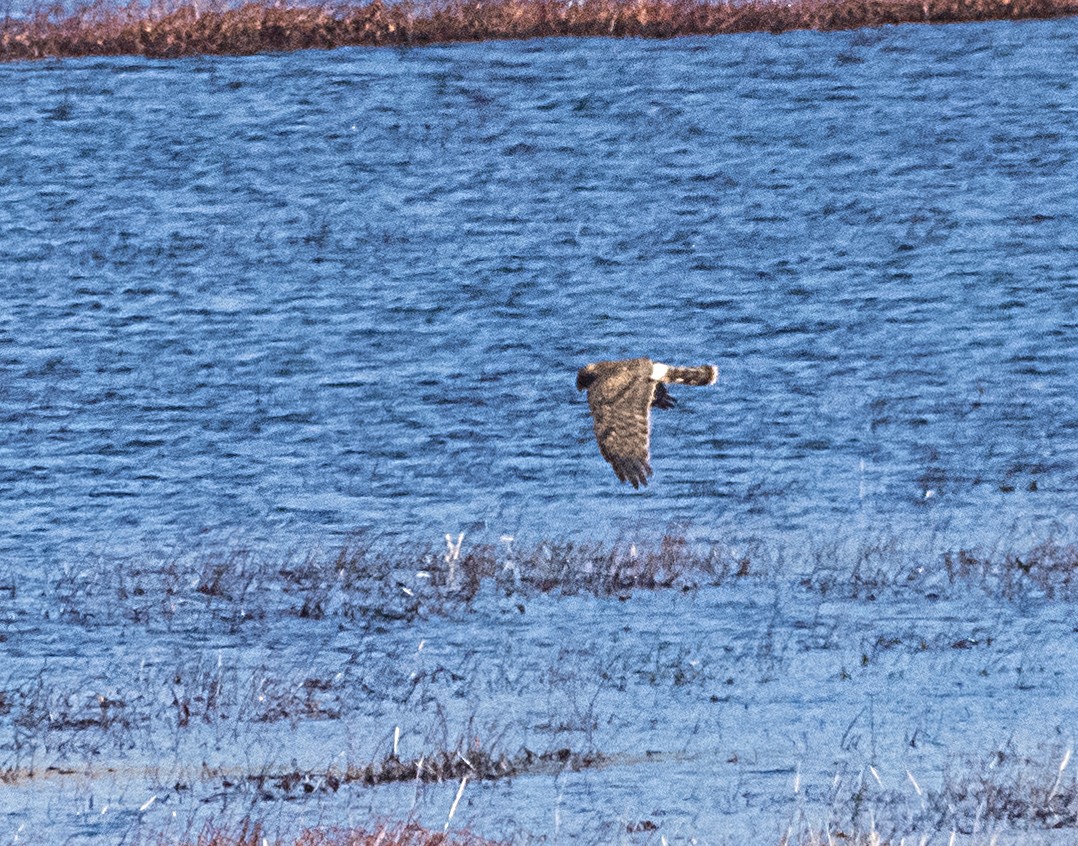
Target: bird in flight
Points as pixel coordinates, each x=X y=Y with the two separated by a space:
x=620 y=395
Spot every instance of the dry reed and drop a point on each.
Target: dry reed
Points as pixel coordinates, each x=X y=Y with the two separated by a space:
x=169 y=29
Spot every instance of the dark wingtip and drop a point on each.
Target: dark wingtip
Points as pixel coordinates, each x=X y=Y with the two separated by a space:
x=637 y=475
x=632 y=471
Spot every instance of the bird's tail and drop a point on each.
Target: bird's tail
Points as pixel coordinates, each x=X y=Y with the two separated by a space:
x=705 y=374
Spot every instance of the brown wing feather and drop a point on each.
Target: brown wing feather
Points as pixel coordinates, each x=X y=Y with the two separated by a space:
x=620 y=405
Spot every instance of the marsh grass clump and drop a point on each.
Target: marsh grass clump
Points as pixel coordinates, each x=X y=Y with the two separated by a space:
x=371 y=582
x=1005 y=790
x=375 y=583
x=474 y=762
x=1001 y=792
x=891 y=565
x=1050 y=567
x=191 y=27
x=411 y=834
x=594 y=568
x=407 y=834
x=398 y=583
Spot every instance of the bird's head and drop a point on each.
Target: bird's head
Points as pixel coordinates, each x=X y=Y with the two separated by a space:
x=585 y=376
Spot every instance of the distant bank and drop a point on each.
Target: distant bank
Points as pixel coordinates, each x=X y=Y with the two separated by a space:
x=190 y=28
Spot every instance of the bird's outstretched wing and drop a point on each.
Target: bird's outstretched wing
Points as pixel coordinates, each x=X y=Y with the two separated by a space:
x=620 y=405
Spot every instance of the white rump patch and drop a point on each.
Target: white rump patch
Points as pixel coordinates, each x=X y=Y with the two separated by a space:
x=658 y=371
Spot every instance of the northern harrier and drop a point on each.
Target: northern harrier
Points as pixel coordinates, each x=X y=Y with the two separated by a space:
x=621 y=394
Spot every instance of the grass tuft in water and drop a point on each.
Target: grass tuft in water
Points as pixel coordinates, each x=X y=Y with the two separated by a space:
x=410 y=834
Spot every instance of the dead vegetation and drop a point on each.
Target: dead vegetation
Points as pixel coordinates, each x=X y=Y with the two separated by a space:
x=50 y=719
x=1046 y=569
x=1000 y=790
x=409 y=834
x=376 y=584
x=475 y=764
x=169 y=29
x=1049 y=567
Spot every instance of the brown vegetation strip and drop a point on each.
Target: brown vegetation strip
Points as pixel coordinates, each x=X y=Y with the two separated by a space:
x=193 y=28
x=411 y=834
x=477 y=764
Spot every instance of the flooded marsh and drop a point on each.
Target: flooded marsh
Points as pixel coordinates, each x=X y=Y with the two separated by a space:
x=305 y=533
x=837 y=690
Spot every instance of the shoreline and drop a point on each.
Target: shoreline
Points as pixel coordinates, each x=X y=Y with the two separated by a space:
x=189 y=29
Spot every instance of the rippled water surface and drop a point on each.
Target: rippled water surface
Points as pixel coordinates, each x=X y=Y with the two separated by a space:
x=271 y=302
x=325 y=292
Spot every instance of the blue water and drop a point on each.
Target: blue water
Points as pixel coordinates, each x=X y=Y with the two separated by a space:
x=267 y=303
x=304 y=295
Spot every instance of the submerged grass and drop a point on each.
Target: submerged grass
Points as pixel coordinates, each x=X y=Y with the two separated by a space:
x=197 y=27
x=375 y=584
x=410 y=834
x=52 y=721
x=475 y=764
x=363 y=581
x=984 y=798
